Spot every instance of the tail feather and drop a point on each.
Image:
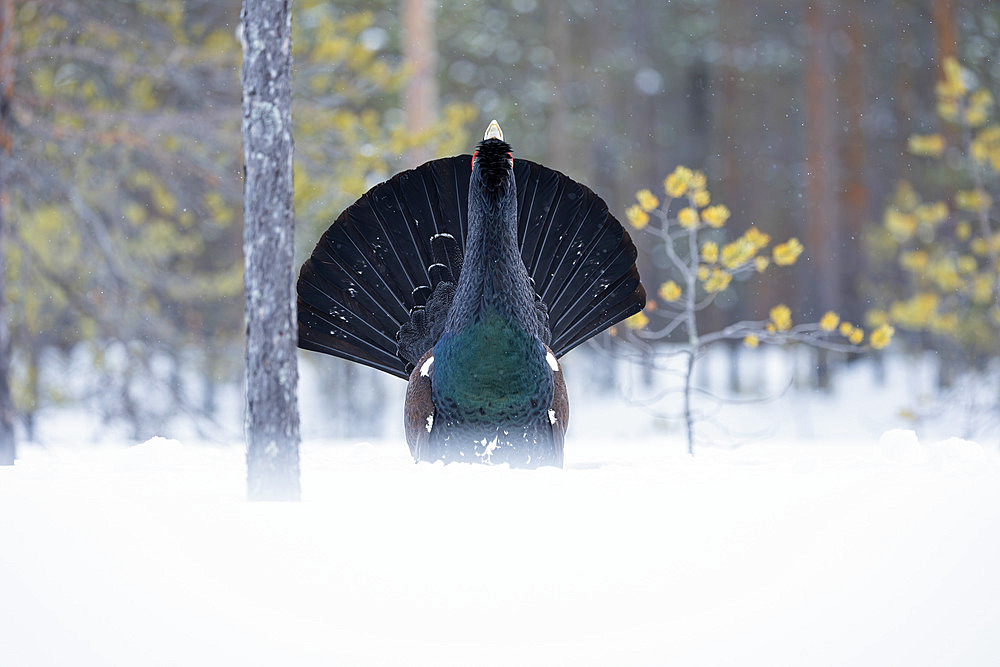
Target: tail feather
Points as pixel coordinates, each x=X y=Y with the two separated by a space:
x=386 y=254
x=624 y=298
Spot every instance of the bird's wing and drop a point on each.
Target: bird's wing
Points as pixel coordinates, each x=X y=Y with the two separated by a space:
x=559 y=412
x=418 y=413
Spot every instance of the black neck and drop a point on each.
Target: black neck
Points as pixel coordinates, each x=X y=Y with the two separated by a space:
x=493 y=278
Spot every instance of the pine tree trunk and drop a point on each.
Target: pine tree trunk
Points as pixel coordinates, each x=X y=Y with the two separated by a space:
x=420 y=53
x=272 y=413
x=855 y=191
x=822 y=215
x=7 y=448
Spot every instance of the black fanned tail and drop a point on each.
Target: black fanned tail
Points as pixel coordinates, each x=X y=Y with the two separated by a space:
x=376 y=285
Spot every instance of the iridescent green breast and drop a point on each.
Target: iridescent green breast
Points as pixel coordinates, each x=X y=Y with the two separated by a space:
x=491 y=372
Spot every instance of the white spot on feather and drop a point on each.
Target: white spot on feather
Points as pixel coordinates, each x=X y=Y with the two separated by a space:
x=430 y=422
x=552 y=417
x=551 y=359
x=425 y=368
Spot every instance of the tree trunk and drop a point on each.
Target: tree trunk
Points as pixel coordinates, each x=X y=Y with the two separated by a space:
x=420 y=54
x=272 y=413
x=7 y=448
x=822 y=217
x=557 y=118
x=943 y=18
x=855 y=193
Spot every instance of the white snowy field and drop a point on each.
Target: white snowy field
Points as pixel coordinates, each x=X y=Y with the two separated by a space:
x=877 y=552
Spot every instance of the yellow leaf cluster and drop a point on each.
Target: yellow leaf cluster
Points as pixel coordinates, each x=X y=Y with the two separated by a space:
x=973 y=200
x=786 y=253
x=715 y=216
x=676 y=184
x=637 y=217
x=710 y=252
x=637 y=321
x=670 y=291
x=917 y=312
x=829 y=321
x=751 y=340
x=950 y=89
x=687 y=217
x=647 y=200
x=717 y=281
x=781 y=317
x=985 y=147
x=881 y=337
x=931 y=145
x=737 y=253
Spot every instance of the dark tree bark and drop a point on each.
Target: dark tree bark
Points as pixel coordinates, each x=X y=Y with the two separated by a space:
x=7 y=448
x=272 y=413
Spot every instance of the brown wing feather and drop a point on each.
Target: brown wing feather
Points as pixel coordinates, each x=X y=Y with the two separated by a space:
x=418 y=413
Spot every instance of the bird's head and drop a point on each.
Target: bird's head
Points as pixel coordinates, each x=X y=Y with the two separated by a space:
x=493 y=163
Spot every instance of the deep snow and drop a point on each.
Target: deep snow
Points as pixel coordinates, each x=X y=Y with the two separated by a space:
x=881 y=552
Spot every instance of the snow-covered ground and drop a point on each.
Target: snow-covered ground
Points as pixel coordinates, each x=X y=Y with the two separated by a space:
x=829 y=552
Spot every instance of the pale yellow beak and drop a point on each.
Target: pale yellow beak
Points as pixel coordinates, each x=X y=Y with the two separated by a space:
x=494 y=131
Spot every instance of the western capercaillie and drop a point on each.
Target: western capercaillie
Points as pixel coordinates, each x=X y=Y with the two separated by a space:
x=471 y=276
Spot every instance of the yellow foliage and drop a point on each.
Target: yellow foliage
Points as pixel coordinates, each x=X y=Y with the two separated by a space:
x=761 y=263
x=781 y=317
x=901 y=225
x=647 y=200
x=829 y=321
x=856 y=336
x=670 y=291
x=751 y=341
x=717 y=281
x=982 y=289
x=951 y=86
x=786 y=253
x=737 y=253
x=881 y=336
x=710 y=252
x=931 y=145
x=716 y=216
x=914 y=261
x=755 y=237
x=636 y=216
x=932 y=214
x=915 y=313
x=637 y=321
x=676 y=183
x=967 y=264
x=846 y=329
x=701 y=198
x=687 y=217
x=973 y=200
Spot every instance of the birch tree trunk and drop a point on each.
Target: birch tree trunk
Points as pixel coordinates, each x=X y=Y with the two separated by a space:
x=272 y=413
x=7 y=449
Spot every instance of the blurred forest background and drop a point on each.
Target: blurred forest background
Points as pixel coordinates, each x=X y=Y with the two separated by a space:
x=120 y=177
